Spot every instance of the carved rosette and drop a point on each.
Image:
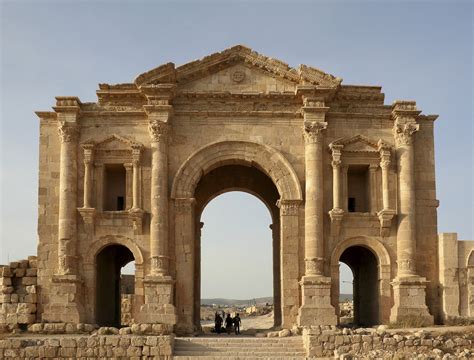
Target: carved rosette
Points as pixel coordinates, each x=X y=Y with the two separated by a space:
x=68 y=132
x=158 y=131
x=403 y=133
x=314 y=266
x=313 y=131
x=289 y=207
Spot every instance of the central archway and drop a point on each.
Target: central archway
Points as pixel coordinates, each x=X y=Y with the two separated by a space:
x=244 y=166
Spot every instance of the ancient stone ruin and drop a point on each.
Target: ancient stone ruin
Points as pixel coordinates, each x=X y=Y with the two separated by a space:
x=345 y=177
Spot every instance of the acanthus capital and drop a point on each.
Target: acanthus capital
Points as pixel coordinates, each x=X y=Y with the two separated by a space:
x=68 y=132
x=158 y=130
x=403 y=132
x=313 y=130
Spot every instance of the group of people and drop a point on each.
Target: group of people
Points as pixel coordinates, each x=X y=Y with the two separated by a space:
x=229 y=321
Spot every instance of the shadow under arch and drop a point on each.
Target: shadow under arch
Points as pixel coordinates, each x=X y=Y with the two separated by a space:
x=370 y=263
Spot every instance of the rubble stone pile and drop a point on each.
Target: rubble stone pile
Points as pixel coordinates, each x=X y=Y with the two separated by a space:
x=18 y=294
x=370 y=343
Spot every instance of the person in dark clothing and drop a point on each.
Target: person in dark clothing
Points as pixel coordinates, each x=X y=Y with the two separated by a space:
x=228 y=324
x=218 y=323
x=237 y=323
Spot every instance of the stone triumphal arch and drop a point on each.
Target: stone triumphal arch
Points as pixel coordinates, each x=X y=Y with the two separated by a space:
x=344 y=176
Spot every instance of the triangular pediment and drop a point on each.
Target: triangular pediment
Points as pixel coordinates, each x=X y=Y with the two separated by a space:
x=220 y=65
x=115 y=142
x=358 y=143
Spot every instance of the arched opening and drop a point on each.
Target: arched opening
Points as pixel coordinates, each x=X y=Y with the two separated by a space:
x=244 y=246
x=346 y=294
x=364 y=266
x=110 y=285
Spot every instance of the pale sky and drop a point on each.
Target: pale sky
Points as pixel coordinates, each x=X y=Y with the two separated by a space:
x=415 y=50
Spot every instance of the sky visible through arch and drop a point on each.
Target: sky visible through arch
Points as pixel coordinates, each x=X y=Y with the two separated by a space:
x=419 y=50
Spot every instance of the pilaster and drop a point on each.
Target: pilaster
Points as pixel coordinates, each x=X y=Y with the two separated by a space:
x=336 y=213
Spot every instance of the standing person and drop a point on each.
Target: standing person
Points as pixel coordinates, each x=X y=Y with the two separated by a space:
x=237 y=323
x=228 y=324
x=218 y=323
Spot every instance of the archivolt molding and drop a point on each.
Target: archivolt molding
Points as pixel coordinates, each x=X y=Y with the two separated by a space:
x=470 y=259
x=379 y=250
x=266 y=158
x=107 y=240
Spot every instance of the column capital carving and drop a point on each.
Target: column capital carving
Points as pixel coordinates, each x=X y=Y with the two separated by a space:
x=336 y=154
x=313 y=131
x=88 y=153
x=68 y=131
x=289 y=207
x=158 y=131
x=403 y=132
x=136 y=154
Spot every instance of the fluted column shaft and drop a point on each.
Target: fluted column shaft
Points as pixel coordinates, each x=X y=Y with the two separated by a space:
x=159 y=198
x=68 y=133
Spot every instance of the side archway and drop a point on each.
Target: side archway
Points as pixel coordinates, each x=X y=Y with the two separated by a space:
x=370 y=263
x=102 y=268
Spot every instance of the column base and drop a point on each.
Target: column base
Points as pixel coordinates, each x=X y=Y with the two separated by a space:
x=65 y=300
x=410 y=302
x=158 y=307
x=316 y=308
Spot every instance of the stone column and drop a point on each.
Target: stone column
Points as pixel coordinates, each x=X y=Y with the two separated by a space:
x=387 y=213
x=68 y=133
x=316 y=305
x=65 y=298
x=158 y=284
x=136 y=155
x=409 y=288
x=385 y=165
x=88 y=159
x=336 y=214
x=345 y=195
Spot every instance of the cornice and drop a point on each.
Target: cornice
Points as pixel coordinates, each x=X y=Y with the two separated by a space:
x=260 y=114
x=289 y=95
x=47 y=115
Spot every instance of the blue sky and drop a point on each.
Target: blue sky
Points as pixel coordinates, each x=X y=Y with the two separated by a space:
x=415 y=50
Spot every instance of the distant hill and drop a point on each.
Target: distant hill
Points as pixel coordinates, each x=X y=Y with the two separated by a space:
x=229 y=302
x=261 y=300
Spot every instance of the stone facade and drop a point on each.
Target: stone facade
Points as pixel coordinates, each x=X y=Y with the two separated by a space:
x=343 y=175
